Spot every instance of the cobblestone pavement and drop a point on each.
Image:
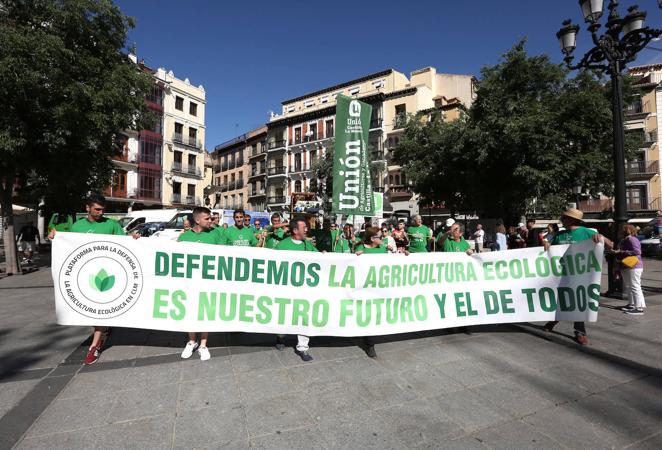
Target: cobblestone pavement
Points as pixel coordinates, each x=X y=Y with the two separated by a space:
x=497 y=387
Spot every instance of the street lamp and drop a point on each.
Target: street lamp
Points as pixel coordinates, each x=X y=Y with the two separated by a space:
x=617 y=46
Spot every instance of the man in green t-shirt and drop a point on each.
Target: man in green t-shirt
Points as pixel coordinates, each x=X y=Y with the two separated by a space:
x=346 y=242
x=572 y=220
x=203 y=232
x=297 y=242
x=276 y=231
x=418 y=236
x=95 y=223
x=239 y=235
x=455 y=241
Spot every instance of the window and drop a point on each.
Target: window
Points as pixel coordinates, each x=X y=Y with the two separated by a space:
x=400 y=116
x=297 y=135
x=179 y=131
x=155 y=95
x=329 y=128
x=150 y=150
x=324 y=99
x=297 y=163
x=354 y=91
x=179 y=103
x=290 y=108
x=308 y=103
x=193 y=109
x=149 y=183
x=191 y=190
x=312 y=132
x=176 y=188
x=297 y=186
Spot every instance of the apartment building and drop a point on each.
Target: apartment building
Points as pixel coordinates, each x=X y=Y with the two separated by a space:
x=184 y=137
x=236 y=164
x=138 y=171
x=305 y=130
x=643 y=184
x=163 y=166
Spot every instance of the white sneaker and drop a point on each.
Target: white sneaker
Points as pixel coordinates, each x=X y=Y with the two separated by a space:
x=204 y=353
x=189 y=349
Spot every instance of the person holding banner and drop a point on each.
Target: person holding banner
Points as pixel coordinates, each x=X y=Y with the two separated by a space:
x=345 y=242
x=297 y=242
x=455 y=242
x=372 y=244
x=202 y=232
x=239 y=234
x=95 y=223
x=572 y=220
x=276 y=231
x=419 y=235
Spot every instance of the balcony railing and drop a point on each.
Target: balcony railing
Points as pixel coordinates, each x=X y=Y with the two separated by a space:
x=256 y=192
x=258 y=172
x=191 y=141
x=177 y=166
x=193 y=170
x=400 y=121
x=643 y=204
x=257 y=152
x=127 y=157
x=276 y=199
x=240 y=184
x=635 y=108
x=650 y=137
x=217 y=168
x=298 y=168
x=272 y=145
x=596 y=205
x=642 y=168
x=376 y=122
x=278 y=170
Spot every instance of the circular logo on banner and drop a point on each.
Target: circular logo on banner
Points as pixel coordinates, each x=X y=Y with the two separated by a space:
x=101 y=280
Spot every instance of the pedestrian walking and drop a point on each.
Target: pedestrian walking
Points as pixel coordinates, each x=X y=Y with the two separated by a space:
x=628 y=255
x=479 y=236
x=572 y=220
x=28 y=236
x=501 y=238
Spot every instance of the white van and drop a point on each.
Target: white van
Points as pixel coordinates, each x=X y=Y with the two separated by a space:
x=135 y=218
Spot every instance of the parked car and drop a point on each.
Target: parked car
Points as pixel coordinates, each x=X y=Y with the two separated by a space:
x=149 y=228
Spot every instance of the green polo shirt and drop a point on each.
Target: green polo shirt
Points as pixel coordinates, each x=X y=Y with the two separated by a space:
x=101 y=226
x=239 y=237
x=290 y=244
x=205 y=237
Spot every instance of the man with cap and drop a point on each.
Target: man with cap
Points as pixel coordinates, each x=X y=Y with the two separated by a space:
x=572 y=220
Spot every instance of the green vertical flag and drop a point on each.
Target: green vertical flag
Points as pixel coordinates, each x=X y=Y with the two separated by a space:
x=352 y=186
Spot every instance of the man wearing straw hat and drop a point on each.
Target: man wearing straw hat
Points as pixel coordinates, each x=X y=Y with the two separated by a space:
x=573 y=220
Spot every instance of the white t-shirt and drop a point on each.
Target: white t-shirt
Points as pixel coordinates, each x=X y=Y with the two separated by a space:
x=479 y=236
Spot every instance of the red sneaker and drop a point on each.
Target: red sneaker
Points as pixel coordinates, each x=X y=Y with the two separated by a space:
x=92 y=356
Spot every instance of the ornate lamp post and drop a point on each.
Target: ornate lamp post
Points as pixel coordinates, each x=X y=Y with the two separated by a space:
x=617 y=46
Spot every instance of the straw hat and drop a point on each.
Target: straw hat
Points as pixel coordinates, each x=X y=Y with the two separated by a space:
x=574 y=214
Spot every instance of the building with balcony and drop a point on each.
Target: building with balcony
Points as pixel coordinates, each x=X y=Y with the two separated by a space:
x=240 y=172
x=305 y=130
x=184 y=136
x=643 y=183
x=138 y=170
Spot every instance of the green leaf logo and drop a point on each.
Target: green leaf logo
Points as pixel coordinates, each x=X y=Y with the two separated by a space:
x=102 y=282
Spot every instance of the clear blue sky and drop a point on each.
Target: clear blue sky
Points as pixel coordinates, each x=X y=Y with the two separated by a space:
x=251 y=55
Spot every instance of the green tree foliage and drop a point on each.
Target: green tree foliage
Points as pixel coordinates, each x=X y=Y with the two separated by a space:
x=67 y=88
x=532 y=133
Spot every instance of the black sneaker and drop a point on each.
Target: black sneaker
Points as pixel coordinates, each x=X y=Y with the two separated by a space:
x=280 y=343
x=635 y=312
x=305 y=356
x=370 y=351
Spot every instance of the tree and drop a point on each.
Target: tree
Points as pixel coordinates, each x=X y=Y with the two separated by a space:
x=532 y=133
x=68 y=89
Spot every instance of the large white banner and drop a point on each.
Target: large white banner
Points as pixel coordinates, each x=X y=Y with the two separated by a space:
x=165 y=285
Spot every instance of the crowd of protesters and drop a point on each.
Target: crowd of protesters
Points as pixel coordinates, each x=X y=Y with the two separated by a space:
x=203 y=226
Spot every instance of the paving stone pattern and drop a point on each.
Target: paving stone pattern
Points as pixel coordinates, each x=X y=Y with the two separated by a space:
x=500 y=387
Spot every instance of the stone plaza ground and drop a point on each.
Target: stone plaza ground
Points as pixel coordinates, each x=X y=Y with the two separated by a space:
x=504 y=387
